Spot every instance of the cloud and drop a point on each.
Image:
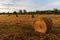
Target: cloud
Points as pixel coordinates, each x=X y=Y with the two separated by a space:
x=29 y=5
x=13 y=5
x=50 y=6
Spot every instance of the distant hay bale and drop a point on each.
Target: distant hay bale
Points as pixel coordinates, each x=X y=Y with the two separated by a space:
x=42 y=25
x=32 y=16
x=39 y=25
x=17 y=15
x=9 y=15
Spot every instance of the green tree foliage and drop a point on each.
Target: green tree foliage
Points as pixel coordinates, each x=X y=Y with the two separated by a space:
x=14 y=12
x=8 y=13
x=38 y=12
x=24 y=11
x=20 y=11
x=3 y=12
x=55 y=11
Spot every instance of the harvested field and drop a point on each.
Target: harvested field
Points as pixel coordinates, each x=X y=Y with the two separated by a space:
x=20 y=28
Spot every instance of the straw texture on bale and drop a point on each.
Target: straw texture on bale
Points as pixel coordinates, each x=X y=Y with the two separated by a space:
x=43 y=25
x=49 y=23
x=40 y=25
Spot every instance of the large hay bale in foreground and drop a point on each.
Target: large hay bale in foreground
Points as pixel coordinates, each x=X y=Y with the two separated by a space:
x=39 y=25
x=42 y=25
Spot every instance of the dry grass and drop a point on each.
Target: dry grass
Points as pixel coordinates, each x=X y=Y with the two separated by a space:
x=20 y=28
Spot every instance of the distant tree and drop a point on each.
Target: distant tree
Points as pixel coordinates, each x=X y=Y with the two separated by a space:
x=42 y=12
x=24 y=11
x=3 y=12
x=48 y=12
x=56 y=11
x=20 y=11
x=37 y=11
x=8 y=13
x=15 y=12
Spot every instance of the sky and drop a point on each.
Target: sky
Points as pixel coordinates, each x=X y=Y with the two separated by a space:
x=29 y=5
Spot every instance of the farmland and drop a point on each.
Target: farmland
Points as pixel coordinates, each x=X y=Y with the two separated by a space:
x=20 y=28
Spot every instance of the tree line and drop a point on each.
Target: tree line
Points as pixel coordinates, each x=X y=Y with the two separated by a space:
x=55 y=11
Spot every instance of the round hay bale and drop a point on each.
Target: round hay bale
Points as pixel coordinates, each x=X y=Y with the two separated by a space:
x=16 y=15
x=32 y=16
x=40 y=25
